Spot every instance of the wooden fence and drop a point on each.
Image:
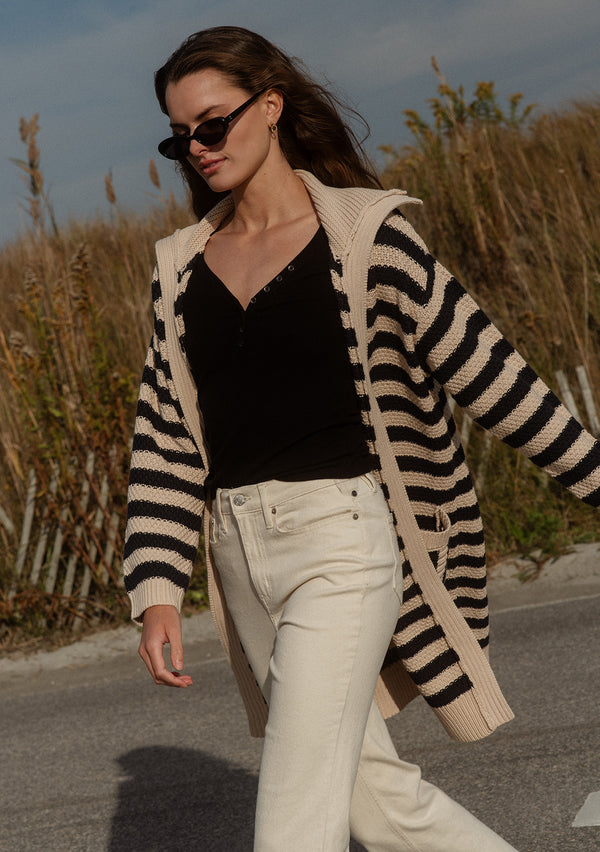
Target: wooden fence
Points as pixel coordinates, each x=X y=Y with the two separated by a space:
x=68 y=543
x=68 y=548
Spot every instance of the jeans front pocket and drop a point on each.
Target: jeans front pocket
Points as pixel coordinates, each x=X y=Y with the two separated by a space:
x=316 y=508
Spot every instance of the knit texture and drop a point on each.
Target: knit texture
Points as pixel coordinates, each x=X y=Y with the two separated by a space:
x=410 y=330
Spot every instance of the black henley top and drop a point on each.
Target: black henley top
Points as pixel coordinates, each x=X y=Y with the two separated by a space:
x=274 y=381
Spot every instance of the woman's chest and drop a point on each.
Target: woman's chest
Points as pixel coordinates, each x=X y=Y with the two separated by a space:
x=294 y=319
x=245 y=265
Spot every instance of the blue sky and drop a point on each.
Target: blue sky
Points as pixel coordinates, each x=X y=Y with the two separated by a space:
x=86 y=66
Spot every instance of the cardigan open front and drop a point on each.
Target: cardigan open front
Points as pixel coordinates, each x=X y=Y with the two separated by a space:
x=410 y=330
x=256 y=367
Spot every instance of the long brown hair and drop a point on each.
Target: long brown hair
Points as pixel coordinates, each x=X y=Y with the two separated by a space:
x=312 y=133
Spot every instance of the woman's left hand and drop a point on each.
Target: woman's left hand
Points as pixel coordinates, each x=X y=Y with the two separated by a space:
x=162 y=626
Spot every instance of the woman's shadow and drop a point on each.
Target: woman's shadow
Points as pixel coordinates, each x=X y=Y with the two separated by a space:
x=181 y=800
x=177 y=800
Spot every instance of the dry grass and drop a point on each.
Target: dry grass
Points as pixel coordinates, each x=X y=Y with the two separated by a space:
x=514 y=212
x=511 y=207
x=74 y=329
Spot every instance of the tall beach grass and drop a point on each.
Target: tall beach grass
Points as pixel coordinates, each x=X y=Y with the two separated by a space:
x=511 y=206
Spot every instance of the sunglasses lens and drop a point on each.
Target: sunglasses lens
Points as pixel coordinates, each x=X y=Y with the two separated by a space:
x=175 y=147
x=210 y=132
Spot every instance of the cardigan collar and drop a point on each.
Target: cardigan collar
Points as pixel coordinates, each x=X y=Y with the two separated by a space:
x=340 y=210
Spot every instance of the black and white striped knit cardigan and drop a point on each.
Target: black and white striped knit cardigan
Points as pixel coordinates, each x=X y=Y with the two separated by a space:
x=411 y=330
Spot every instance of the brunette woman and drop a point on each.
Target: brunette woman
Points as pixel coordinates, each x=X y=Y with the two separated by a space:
x=293 y=397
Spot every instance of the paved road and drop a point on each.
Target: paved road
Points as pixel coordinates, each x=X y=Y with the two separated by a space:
x=95 y=757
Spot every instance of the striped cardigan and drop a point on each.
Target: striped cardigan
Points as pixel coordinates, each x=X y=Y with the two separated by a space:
x=411 y=330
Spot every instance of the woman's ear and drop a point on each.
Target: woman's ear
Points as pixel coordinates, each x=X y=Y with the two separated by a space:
x=274 y=105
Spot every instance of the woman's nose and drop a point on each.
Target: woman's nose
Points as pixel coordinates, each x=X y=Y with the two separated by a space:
x=196 y=148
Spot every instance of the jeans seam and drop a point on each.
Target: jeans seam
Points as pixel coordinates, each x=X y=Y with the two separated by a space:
x=345 y=704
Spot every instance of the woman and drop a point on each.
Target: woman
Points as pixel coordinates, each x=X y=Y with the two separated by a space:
x=293 y=396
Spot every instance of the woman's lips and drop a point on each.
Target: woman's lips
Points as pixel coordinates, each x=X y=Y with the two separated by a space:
x=209 y=167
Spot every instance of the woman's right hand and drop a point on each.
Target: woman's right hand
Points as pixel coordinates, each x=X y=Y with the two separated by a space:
x=162 y=626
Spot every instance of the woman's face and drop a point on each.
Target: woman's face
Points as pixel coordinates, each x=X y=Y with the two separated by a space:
x=248 y=143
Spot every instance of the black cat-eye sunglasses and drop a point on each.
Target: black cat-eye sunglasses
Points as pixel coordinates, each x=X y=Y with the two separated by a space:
x=208 y=133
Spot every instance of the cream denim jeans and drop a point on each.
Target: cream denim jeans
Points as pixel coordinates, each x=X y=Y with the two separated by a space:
x=312 y=576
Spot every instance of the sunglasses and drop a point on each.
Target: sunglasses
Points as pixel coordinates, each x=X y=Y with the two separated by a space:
x=208 y=133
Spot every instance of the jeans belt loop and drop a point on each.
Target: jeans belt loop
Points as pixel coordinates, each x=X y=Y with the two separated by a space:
x=220 y=508
x=268 y=513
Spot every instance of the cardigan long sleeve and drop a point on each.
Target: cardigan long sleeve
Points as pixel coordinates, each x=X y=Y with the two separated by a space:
x=464 y=352
x=165 y=497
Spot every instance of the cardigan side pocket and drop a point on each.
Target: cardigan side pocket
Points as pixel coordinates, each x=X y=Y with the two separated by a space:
x=436 y=542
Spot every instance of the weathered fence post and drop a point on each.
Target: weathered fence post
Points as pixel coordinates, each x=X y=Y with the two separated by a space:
x=588 y=400
x=109 y=553
x=83 y=504
x=59 y=538
x=92 y=554
x=6 y=522
x=40 y=550
x=25 y=533
x=567 y=396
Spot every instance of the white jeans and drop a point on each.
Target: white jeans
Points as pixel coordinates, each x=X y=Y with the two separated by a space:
x=312 y=577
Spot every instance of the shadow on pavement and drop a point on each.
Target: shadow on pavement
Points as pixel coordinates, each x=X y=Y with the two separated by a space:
x=178 y=800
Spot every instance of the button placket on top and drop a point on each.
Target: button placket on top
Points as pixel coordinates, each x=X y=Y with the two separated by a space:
x=253 y=301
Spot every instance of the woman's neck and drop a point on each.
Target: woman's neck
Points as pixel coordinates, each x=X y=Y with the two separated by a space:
x=270 y=198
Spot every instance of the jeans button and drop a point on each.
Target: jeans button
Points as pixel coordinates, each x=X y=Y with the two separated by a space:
x=239 y=500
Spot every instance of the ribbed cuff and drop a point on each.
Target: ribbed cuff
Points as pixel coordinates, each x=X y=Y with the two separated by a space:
x=464 y=721
x=154 y=592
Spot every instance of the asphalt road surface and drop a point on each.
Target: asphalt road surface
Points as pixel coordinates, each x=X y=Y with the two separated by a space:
x=94 y=756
